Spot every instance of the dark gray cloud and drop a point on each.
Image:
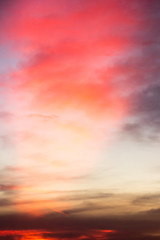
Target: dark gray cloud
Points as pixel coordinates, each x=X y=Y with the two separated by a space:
x=144 y=76
x=5 y=8
x=5 y=4
x=5 y=202
x=140 y=226
x=147 y=199
x=145 y=117
x=141 y=72
x=86 y=195
x=88 y=207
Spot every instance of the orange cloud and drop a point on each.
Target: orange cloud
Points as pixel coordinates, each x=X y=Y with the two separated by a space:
x=25 y=234
x=56 y=235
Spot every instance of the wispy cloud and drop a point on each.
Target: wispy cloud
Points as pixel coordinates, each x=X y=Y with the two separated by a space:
x=85 y=70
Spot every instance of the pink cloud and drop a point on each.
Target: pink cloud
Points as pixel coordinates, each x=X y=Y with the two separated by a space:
x=69 y=69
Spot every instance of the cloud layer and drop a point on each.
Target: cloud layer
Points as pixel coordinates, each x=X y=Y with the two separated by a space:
x=75 y=74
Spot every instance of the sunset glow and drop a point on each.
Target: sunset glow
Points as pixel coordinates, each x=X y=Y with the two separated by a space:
x=41 y=235
x=79 y=119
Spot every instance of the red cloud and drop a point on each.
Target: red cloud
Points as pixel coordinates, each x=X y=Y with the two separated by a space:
x=67 y=66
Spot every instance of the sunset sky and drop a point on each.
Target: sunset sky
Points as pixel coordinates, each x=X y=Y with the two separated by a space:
x=79 y=119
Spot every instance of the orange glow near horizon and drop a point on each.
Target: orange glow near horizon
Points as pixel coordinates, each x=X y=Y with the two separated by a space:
x=38 y=234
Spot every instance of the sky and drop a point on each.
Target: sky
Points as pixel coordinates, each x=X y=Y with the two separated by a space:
x=79 y=119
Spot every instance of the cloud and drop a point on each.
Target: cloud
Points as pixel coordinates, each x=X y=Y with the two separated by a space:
x=147 y=199
x=142 y=70
x=88 y=208
x=138 y=226
x=67 y=69
x=146 y=114
x=78 y=78
x=85 y=195
x=4 y=187
x=4 y=6
x=43 y=117
x=5 y=202
x=66 y=203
